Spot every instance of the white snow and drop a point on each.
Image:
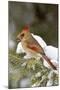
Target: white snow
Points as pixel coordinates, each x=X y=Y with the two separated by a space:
x=40 y=40
x=24 y=82
x=51 y=52
x=19 y=48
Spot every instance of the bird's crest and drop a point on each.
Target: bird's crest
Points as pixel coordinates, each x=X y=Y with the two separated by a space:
x=26 y=28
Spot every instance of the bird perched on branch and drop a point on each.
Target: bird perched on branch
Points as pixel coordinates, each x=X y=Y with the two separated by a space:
x=32 y=47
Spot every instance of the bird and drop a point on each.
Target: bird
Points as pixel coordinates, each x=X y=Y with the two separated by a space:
x=31 y=46
x=39 y=40
x=20 y=49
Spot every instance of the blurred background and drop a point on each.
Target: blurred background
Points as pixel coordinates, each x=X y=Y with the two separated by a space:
x=43 y=21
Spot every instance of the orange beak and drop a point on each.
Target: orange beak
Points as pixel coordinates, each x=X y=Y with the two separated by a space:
x=18 y=38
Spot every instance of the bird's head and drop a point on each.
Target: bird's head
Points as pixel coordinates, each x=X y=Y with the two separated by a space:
x=23 y=33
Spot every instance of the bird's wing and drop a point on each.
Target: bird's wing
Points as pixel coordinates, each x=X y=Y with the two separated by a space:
x=35 y=48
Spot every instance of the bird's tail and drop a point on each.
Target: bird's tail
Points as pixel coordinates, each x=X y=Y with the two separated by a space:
x=49 y=62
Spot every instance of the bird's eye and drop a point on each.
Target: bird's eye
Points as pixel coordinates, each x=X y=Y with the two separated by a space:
x=22 y=35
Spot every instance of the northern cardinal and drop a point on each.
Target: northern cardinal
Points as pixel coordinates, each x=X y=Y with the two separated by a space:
x=31 y=46
x=39 y=40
